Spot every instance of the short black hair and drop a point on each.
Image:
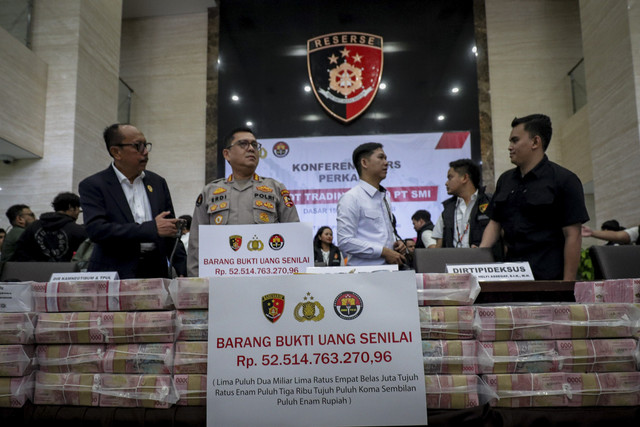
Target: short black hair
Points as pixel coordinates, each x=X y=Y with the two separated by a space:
x=229 y=137
x=536 y=125
x=112 y=136
x=612 y=225
x=467 y=166
x=3 y=231
x=14 y=212
x=363 y=151
x=64 y=201
x=421 y=214
x=188 y=220
x=408 y=240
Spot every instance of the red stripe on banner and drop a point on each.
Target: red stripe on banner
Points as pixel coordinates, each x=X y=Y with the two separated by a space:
x=331 y=196
x=452 y=140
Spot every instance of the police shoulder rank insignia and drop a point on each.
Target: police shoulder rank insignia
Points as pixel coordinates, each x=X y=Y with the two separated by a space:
x=199 y=200
x=219 y=190
x=483 y=207
x=308 y=309
x=351 y=64
x=286 y=198
x=265 y=189
x=273 y=307
x=218 y=219
x=264 y=217
x=235 y=242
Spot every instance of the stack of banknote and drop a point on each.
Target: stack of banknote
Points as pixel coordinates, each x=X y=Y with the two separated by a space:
x=446 y=289
x=192 y=389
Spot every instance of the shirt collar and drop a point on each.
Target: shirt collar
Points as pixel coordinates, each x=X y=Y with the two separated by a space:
x=472 y=199
x=121 y=176
x=370 y=189
x=536 y=171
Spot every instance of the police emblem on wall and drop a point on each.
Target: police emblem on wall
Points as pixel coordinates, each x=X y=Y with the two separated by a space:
x=345 y=70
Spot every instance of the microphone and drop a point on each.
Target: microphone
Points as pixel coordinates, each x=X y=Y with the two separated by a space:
x=181 y=224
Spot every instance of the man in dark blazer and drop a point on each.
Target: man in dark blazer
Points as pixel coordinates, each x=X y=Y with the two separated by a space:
x=128 y=212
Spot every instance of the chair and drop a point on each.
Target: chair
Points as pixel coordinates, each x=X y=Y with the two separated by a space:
x=34 y=271
x=435 y=260
x=616 y=262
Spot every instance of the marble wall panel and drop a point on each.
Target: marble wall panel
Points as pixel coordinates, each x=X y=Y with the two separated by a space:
x=532 y=45
x=164 y=60
x=23 y=77
x=612 y=106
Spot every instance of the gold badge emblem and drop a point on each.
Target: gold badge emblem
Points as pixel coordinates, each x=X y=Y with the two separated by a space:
x=255 y=244
x=223 y=205
x=213 y=208
x=219 y=190
x=268 y=205
x=259 y=203
x=265 y=189
x=264 y=217
x=218 y=220
x=150 y=188
x=308 y=309
x=483 y=207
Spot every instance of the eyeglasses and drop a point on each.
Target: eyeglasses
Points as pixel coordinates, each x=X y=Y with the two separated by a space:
x=244 y=144
x=140 y=146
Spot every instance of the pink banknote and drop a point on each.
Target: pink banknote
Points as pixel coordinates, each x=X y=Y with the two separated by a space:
x=15 y=391
x=446 y=322
x=62 y=358
x=138 y=358
x=446 y=289
x=190 y=292
x=190 y=357
x=17 y=360
x=17 y=328
x=451 y=391
x=192 y=389
x=132 y=390
x=66 y=389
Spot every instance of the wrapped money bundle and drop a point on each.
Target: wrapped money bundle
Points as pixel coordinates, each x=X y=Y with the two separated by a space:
x=509 y=357
x=137 y=327
x=446 y=289
x=446 y=322
x=79 y=358
x=138 y=358
x=618 y=388
x=192 y=325
x=137 y=294
x=595 y=321
x=528 y=390
x=450 y=357
x=192 y=389
x=451 y=391
x=15 y=391
x=190 y=357
x=508 y=323
x=69 y=296
x=17 y=328
x=602 y=355
x=17 y=360
x=613 y=290
x=66 y=389
x=130 y=390
x=69 y=328
x=17 y=297
x=190 y=292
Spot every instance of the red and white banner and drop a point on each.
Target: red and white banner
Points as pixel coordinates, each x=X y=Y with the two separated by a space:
x=318 y=170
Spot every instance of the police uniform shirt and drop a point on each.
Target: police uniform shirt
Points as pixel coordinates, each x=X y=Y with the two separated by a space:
x=532 y=211
x=258 y=200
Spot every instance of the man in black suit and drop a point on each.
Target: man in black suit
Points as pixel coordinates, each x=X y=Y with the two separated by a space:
x=128 y=211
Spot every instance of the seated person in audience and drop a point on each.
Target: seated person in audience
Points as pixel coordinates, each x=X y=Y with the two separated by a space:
x=55 y=236
x=2 y=234
x=20 y=217
x=621 y=237
x=424 y=227
x=324 y=251
x=411 y=250
x=185 y=231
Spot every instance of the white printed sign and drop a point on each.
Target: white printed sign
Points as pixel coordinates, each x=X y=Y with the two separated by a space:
x=338 y=350
x=255 y=249
x=512 y=271
x=84 y=276
x=319 y=170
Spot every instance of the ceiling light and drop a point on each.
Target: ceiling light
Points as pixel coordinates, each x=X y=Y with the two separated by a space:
x=455 y=89
x=441 y=117
x=249 y=123
x=307 y=88
x=383 y=86
x=235 y=98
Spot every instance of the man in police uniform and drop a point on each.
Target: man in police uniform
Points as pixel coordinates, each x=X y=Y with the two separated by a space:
x=242 y=198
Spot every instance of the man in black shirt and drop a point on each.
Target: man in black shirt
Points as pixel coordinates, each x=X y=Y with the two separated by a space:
x=539 y=205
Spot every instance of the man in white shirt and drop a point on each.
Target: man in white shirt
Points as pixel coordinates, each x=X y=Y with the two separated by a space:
x=128 y=212
x=622 y=237
x=365 y=231
x=463 y=219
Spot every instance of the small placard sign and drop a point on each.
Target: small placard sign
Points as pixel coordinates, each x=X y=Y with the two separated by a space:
x=512 y=271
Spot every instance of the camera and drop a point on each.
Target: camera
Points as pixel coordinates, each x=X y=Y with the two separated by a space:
x=7 y=159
